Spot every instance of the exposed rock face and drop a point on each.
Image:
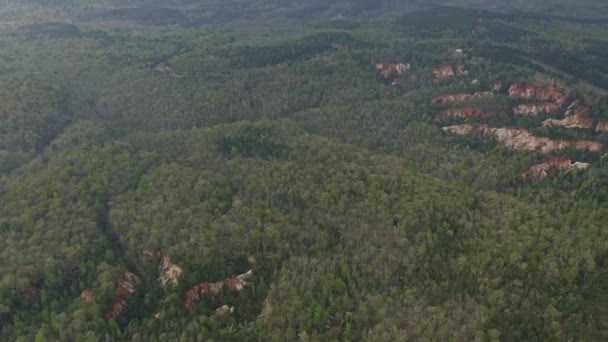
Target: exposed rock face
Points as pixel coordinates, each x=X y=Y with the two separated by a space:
x=528 y=91
x=391 y=70
x=169 y=273
x=497 y=87
x=521 y=139
x=602 y=126
x=552 y=165
x=238 y=283
x=235 y=283
x=200 y=291
x=87 y=296
x=536 y=108
x=576 y=117
x=577 y=120
x=126 y=285
x=459 y=129
x=461 y=113
x=444 y=72
x=337 y=46
x=581 y=166
x=116 y=309
x=223 y=311
x=125 y=288
x=454 y=98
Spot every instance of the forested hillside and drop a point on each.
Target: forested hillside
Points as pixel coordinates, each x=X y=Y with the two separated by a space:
x=303 y=171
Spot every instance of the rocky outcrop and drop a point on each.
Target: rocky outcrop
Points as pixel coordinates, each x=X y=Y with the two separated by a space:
x=528 y=91
x=169 y=273
x=392 y=70
x=552 y=165
x=125 y=289
x=200 y=291
x=459 y=129
x=462 y=113
x=536 y=108
x=602 y=126
x=576 y=117
x=581 y=166
x=454 y=98
x=235 y=283
x=576 y=120
x=223 y=311
x=521 y=139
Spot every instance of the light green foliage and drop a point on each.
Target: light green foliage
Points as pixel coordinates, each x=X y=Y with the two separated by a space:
x=282 y=145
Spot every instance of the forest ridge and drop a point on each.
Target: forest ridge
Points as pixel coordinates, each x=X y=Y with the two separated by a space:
x=278 y=170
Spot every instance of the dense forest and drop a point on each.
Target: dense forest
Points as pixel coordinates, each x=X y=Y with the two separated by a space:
x=275 y=170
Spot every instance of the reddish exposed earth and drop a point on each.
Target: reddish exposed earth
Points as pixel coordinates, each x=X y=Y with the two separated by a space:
x=528 y=91
x=536 y=108
x=551 y=165
x=87 y=296
x=443 y=72
x=235 y=283
x=125 y=288
x=549 y=100
x=602 y=126
x=577 y=120
x=521 y=139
